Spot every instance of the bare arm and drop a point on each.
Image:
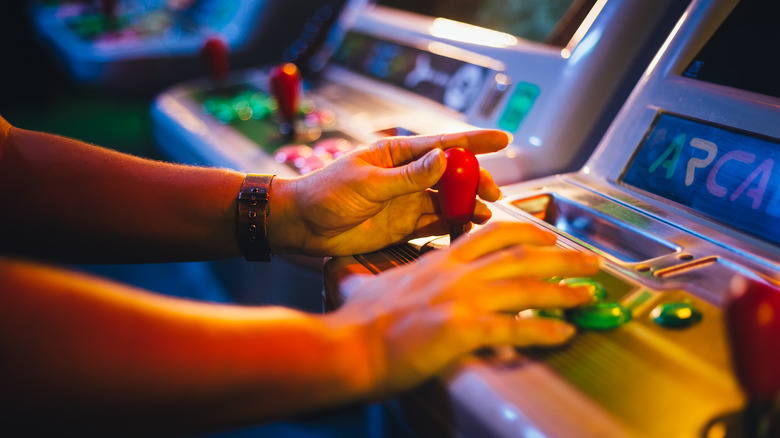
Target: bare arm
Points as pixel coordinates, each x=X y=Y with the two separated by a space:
x=69 y=200
x=90 y=353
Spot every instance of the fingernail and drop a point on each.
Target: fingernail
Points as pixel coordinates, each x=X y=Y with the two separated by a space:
x=591 y=261
x=565 y=330
x=585 y=293
x=432 y=160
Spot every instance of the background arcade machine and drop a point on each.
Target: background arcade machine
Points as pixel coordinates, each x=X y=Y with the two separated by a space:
x=681 y=199
x=146 y=45
x=550 y=72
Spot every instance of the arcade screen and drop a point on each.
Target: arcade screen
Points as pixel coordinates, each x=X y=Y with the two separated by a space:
x=548 y=21
x=743 y=51
x=726 y=174
x=133 y=20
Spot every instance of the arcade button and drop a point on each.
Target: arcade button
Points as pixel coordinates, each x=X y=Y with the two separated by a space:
x=243 y=110
x=302 y=157
x=603 y=315
x=320 y=117
x=222 y=110
x=261 y=104
x=293 y=153
x=334 y=146
x=307 y=107
x=249 y=104
x=675 y=315
x=551 y=313
x=542 y=313
x=597 y=290
x=310 y=164
x=88 y=26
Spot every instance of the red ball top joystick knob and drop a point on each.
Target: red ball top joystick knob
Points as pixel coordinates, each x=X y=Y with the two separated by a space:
x=215 y=53
x=458 y=189
x=753 y=325
x=285 y=84
x=753 y=319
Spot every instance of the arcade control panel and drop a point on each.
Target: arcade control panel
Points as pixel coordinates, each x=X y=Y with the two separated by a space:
x=387 y=68
x=680 y=200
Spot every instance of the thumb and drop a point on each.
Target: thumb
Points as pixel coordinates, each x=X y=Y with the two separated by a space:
x=415 y=176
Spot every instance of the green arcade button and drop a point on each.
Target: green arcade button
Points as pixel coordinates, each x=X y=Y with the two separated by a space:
x=604 y=315
x=675 y=315
x=597 y=291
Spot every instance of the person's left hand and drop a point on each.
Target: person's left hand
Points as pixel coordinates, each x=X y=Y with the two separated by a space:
x=374 y=197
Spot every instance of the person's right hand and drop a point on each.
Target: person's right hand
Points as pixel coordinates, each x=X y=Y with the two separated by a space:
x=375 y=197
x=416 y=319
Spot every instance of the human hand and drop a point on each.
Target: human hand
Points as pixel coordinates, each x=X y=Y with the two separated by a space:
x=416 y=319
x=375 y=197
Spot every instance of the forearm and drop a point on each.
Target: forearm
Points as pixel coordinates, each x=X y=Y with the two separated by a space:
x=74 y=345
x=77 y=202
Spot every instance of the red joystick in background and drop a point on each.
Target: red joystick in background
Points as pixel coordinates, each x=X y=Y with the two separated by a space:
x=458 y=189
x=215 y=53
x=285 y=84
x=109 y=10
x=753 y=324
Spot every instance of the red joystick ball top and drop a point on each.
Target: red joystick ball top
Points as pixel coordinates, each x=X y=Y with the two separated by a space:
x=285 y=83
x=458 y=186
x=215 y=54
x=753 y=324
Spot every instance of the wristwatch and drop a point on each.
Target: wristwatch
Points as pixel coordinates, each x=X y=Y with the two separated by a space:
x=253 y=211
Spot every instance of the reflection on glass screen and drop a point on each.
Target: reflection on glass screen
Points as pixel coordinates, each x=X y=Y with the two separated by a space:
x=743 y=52
x=530 y=19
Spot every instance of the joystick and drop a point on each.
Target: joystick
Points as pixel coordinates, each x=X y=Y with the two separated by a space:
x=215 y=53
x=753 y=325
x=458 y=189
x=109 y=10
x=285 y=84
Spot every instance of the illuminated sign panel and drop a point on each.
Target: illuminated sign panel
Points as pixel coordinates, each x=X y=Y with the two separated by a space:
x=729 y=175
x=446 y=80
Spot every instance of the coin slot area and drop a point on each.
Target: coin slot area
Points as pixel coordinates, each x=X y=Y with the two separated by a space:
x=671 y=271
x=619 y=238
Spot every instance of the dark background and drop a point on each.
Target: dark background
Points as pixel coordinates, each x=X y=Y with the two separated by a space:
x=36 y=93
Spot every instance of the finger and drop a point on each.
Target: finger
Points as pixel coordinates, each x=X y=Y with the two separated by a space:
x=487 y=188
x=481 y=213
x=536 y=262
x=417 y=176
x=520 y=294
x=404 y=149
x=497 y=329
x=429 y=225
x=500 y=235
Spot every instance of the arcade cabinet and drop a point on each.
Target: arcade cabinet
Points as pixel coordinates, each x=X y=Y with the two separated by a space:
x=681 y=200
x=144 y=46
x=551 y=73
